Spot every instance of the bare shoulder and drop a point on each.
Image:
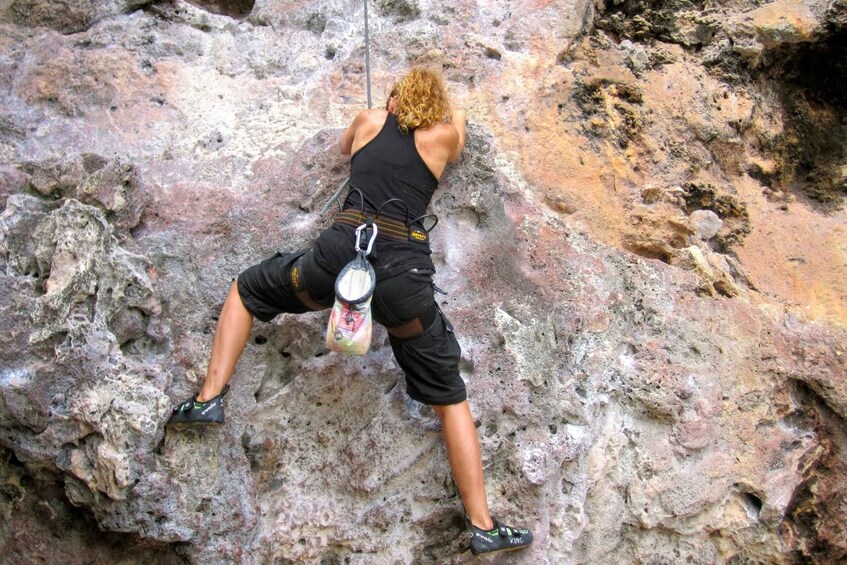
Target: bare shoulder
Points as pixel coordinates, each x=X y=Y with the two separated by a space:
x=438 y=145
x=362 y=129
x=369 y=122
x=366 y=119
x=445 y=134
x=372 y=116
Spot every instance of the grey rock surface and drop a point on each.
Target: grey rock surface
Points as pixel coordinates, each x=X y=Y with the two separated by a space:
x=641 y=395
x=65 y=16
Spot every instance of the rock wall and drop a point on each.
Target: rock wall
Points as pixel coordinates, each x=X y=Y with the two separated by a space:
x=643 y=249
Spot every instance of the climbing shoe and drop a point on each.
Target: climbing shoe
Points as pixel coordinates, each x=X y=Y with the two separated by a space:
x=500 y=538
x=193 y=412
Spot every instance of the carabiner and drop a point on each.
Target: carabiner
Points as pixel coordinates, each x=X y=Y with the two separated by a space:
x=359 y=231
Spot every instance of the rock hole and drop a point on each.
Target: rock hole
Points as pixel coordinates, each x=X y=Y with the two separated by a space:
x=390 y=387
x=724 y=289
x=752 y=502
x=204 y=506
x=580 y=390
x=158 y=449
x=238 y=9
x=466 y=366
x=649 y=250
x=399 y=10
x=493 y=53
x=11 y=459
x=260 y=340
x=756 y=171
x=316 y=23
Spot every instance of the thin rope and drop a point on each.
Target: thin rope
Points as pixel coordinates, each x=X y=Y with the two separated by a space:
x=336 y=197
x=367 y=55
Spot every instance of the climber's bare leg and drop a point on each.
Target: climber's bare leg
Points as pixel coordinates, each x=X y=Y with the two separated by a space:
x=465 y=460
x=231 y=336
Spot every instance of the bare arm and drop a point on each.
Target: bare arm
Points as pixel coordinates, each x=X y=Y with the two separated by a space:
x=458 y=120
x=362 y=129
x=346 y=141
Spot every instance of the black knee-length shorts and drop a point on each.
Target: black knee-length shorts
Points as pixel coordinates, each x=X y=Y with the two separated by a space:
x=430 y=360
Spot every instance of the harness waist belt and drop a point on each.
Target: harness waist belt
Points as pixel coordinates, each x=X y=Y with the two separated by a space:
x=388 y=227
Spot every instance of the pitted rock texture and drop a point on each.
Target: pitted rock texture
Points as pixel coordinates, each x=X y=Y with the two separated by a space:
x=39 y=525
x=65 y=16
x=643 y=248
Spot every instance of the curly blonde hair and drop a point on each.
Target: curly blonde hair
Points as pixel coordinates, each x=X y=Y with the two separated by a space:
x=421 y=99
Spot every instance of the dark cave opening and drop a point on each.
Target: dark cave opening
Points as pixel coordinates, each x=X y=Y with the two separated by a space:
x=820 y=69
x=42 y=525
x=238 y=9
x=812 y=81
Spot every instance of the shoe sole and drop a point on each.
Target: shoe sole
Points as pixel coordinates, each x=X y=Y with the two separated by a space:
x=504 y=550
x=183 y=425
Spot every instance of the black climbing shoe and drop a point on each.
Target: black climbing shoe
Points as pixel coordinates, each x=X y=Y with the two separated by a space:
x=192 y=412
x=500 y=538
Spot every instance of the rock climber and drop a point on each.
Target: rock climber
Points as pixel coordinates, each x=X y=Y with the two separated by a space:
x=398 y=156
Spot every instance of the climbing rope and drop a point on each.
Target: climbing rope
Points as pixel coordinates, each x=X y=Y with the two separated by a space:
x=336 y=197
x=367 y=55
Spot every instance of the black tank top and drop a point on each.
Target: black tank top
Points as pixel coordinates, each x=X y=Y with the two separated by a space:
x=388 y=166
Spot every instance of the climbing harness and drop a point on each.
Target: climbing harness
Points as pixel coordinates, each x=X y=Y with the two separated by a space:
x=388 y=228
x=336 y=196
x=410 y=229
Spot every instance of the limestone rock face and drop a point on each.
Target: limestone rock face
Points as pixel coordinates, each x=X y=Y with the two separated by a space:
x=642 y=247
x=65 y=16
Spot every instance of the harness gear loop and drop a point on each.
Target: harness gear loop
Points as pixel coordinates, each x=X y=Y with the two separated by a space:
x=361 y=198
x=389 y=201
x=422 y=218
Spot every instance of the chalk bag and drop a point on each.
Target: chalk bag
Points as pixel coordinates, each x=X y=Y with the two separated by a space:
x=350 y=324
